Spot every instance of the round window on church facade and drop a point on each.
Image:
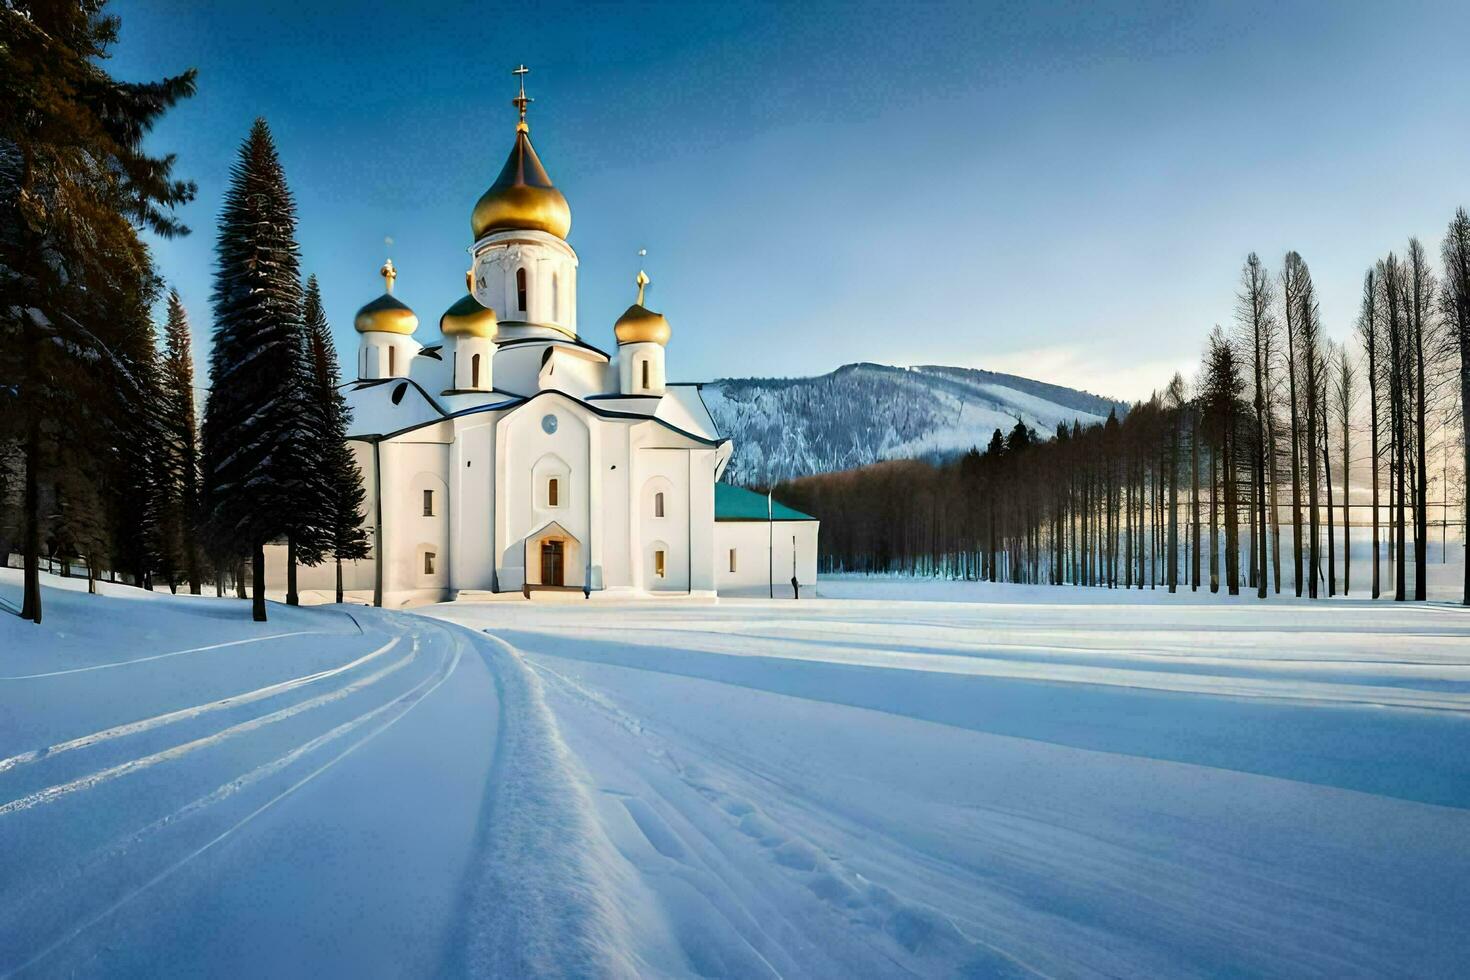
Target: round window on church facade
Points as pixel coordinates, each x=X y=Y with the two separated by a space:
x=548 y=424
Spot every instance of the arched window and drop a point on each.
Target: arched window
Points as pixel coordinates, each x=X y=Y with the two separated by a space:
x=392 y=361
x=658 y=504
x=659 y=568
x=645 y=373
x=553 y=495
x=521 y=290
x=475 y=371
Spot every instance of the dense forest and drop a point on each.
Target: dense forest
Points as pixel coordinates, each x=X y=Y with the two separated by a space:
x=1285 y=453
x=104 y=465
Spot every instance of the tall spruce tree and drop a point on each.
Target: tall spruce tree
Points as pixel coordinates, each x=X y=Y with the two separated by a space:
x=347 y=538
x=180 y=447
x=74 y=185
x=253 y=433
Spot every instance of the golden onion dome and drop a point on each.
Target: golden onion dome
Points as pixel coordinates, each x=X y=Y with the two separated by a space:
x=522 y=197
x=467 y=318
x=386 y=314
x=640 y=325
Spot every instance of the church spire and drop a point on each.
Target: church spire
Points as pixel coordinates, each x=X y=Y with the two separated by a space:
x=520 y=101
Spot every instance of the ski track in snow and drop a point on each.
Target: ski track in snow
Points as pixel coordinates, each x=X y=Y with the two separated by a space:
x=162 y=656
x=234 y=701
x=69 y=876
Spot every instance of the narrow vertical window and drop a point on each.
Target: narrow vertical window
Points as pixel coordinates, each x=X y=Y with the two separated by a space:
x=428 y=563
x=556 y=297
x=658 y=504
x=553 y=492
x=475 y=371
x=658 y=564
x=392 y=361
x=644 y=365
x=428 y=503
x=732 y=559
x=521 y=290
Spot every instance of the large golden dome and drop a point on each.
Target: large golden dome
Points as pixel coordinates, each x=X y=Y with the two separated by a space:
x=386 y=314
x=467 y=318
x=522 y=197
x=640 y=325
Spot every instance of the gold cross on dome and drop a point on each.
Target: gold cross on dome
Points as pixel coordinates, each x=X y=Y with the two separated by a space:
x=389 y=274
x=520 y=101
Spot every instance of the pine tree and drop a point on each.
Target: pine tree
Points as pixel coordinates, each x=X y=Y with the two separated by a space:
x=180 y=447
x=74 y=184
x=134 y=425
x=252 y=429
x=348 y=539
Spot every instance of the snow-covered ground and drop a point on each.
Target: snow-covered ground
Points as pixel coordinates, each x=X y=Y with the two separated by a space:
x=1015 y=781
x=184 y=792
x=1057 y=782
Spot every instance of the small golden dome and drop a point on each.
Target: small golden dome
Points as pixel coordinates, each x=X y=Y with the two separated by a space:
x=386 y=314
x=639 y=325
x=467 y=318
x=522 y=197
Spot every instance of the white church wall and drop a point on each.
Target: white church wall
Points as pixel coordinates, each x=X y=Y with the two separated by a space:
x=472 y=518
x=631 y=359
x=662 y=471
x=416 y=556
x=524 y=450
x=752 y=542
x=386 y=355
x=614 y=567
x=701 y=520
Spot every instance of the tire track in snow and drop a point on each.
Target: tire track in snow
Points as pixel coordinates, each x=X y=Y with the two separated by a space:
x=427 y=686
x=168 y=718
x=52 y=793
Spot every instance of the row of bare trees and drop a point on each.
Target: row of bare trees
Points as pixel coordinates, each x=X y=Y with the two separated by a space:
x=1207 y=483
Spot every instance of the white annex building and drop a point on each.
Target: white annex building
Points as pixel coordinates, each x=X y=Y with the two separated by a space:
x=510 y=456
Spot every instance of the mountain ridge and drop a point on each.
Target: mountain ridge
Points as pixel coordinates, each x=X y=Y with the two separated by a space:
x=864 y=412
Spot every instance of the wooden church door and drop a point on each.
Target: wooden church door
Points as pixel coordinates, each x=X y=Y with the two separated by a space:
x=551 y=563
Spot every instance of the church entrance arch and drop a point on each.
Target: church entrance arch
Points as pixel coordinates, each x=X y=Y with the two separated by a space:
x=554 y=559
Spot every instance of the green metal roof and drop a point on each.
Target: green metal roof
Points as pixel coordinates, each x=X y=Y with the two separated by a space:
x=739 y=504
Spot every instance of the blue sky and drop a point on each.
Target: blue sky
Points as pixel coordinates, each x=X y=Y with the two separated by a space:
x=1064 y=191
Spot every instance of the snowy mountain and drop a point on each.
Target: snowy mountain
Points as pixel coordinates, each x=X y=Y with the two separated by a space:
x=863 y=413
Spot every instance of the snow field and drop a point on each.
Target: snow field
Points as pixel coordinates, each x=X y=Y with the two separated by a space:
x=172 y=806
x=1015 y=781
x=1017 y=786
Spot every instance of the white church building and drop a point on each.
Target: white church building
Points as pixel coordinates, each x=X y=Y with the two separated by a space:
x=507 y=455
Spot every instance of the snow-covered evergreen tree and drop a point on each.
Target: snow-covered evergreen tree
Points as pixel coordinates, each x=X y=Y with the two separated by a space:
x=135 y=426
x=179 y=501
x=253 y=434
x=74 y=185
x=348 y=538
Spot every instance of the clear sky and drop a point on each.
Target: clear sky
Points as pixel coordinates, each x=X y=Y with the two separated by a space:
x=1064 y=191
